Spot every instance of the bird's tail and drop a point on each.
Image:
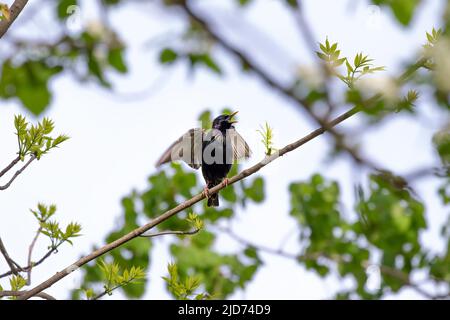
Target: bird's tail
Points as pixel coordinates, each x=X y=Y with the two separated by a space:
x=213 y=199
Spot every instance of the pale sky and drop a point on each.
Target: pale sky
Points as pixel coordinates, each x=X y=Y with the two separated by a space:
x=116 y=138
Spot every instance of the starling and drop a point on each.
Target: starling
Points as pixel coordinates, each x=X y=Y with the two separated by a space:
x=213 y=150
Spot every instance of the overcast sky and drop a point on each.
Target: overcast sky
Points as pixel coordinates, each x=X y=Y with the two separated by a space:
x=116 y=138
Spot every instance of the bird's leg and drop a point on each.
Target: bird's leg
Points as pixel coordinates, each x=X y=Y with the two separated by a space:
x=206 y=192
x=226 y=182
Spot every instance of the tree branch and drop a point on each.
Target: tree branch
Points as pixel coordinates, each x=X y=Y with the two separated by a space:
x=188 y=203
x=34 y=264
x=18 y=172
x=11 y=263
x=14 y=11
x=30 y=252
x=12 y=164
x=41 y=295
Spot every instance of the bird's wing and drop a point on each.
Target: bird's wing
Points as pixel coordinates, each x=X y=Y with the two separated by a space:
x=240 y=148
x=187 y=148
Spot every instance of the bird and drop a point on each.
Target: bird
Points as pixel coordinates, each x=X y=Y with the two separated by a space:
x=214 y=150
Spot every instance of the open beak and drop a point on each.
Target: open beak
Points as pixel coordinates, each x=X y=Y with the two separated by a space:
x=231 y=116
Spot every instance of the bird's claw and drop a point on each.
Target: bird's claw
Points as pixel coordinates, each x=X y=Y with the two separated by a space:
x=206 y=192
x=226 y=182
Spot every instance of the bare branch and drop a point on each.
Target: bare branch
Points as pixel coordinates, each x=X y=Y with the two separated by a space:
x=14 y=11
x=15 y=268
x=12 y=164
x=30 y=252
x=245 y=242
x=188 y=203
x=18 y=172
x=32 y=265
x=41 y=295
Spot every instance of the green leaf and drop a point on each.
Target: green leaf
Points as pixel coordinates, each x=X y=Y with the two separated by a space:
x=402 y=9
x=17 y=282
x=35 y=99
x=168 y=56
x=115 y=59
x=63 y=8
x=206 y=60
x=292 y=3
x=244 y=2
x=256 y=190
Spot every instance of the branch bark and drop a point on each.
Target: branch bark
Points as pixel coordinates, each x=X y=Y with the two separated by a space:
x=18 y=172
x=9 y=166
x=12 y=265
x=14 y=11
x=163 y=217
x=32 y=265
x=41 y=295
x=30 y=253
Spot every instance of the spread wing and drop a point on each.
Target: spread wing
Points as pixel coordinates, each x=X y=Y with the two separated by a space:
x=187 y=148
x=240 y=148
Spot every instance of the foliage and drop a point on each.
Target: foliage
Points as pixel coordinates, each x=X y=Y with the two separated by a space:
x=362 y=65
x=402 y=9
x=4 y=12
x=51 y=228
x=35 y=139
x=266 y=133
x=386 y=234
x=114 y=278
x=183 y=290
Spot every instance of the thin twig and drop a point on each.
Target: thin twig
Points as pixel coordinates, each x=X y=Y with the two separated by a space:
x=186 y=204
x=35 y=264
x=18 y=172
x=13 y=266
x=105 y=292
x=12 y=164
x=9 y=293
x=163 y=233
x=30 y=252
x=245 y=242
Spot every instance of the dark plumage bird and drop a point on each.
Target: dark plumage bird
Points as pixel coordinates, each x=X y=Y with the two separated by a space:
x=214 y=150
